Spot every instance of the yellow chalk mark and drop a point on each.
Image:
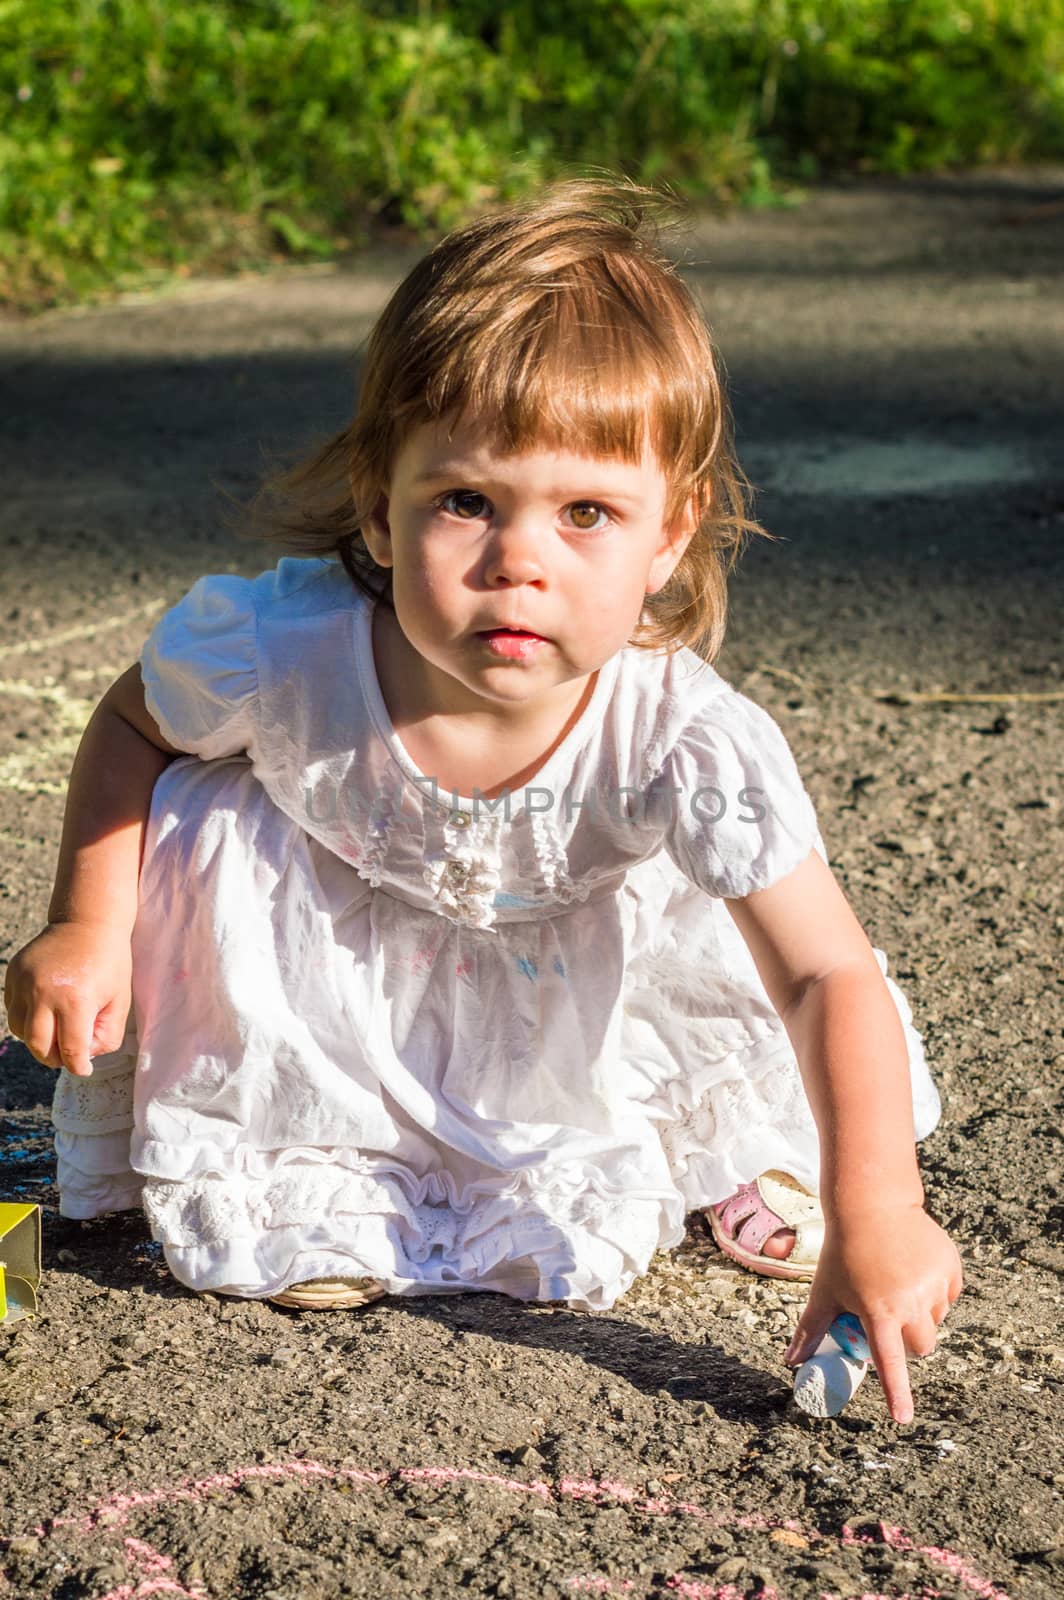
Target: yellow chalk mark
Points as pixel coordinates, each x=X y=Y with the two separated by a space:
x=42 y=765
x=87 y=630
x=41 y=786
x=16 y=768
x=32 y=770
x=71 y=708
x=88 y=674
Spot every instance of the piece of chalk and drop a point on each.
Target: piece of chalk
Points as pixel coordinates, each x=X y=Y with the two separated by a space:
x=830 y=1378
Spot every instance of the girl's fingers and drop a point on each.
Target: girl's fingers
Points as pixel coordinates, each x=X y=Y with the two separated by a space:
x=39 y=1037
x=813 y=1324
x=14 y=1008
x=110 y=1027
x=888 y=1356
x=949 y=1293
x=73 y=1039
x=921 y=1336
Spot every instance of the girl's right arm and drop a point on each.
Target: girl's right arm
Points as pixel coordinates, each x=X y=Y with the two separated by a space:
x=68 y=991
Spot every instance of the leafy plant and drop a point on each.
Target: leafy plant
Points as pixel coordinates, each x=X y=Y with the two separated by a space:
x=140 y=138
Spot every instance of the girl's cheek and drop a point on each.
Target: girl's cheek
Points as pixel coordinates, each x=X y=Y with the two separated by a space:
x=438 y=543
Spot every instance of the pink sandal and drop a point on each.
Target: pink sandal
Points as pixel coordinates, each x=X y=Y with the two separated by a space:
x=742 y=1223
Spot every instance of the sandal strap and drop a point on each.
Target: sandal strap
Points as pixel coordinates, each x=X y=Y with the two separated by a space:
x=808 y=1243
x=747 y=1219
x=774 y=1201
x=791 y=1202
x=796 y=1209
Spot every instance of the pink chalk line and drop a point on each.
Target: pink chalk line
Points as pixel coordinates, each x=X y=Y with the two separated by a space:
x=151 y=1576
x=696 y=1590
x=151 y=1571
x=952 y=1563
x=116 y=1509
x=685 y=1586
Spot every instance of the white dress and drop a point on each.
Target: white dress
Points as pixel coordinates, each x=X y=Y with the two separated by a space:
x=382 y=1030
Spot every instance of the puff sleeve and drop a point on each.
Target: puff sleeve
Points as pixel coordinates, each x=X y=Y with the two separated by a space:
x=739 y=817
x=199 y=667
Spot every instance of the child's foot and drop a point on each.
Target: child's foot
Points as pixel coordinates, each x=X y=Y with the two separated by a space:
x=779 y=1245
x=773 y=1226
x=329 y=1294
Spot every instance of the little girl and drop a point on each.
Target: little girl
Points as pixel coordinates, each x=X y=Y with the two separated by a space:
x=476 y=930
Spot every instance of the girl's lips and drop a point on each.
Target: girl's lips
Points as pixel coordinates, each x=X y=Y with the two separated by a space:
x=510 y=642
x=520 y=633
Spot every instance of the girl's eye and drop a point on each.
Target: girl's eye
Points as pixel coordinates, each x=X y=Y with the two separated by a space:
x=587 y=516
x=464 y=503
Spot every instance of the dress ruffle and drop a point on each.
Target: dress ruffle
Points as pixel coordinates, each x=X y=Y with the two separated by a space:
x=562 y=1236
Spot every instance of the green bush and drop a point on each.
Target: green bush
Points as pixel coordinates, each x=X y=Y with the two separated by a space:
x=141 y=137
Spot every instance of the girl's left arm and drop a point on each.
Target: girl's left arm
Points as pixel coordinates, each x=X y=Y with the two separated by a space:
x=883 y=1256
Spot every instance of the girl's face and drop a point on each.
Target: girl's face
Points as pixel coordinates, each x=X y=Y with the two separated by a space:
x=563 y=545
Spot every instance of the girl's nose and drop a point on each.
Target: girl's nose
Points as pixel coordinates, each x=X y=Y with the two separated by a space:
x=514 y=555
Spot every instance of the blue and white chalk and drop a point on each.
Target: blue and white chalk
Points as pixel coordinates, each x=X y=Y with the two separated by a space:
x=830 y=1378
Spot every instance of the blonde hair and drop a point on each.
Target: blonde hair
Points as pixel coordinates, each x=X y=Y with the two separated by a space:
x=554 y=321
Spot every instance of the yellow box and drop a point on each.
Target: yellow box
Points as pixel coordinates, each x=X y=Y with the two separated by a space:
x=20 y=1260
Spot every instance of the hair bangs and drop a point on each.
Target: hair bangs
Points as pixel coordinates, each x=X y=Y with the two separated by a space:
x=574 y=369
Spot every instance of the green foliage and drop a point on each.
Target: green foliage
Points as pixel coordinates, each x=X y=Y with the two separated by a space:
x=141 y=138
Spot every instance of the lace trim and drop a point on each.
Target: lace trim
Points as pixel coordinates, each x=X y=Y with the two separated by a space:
x=553 y=862
x=370 y=861
x=212 y=1211
x=100 y=1104
x=731 y=1109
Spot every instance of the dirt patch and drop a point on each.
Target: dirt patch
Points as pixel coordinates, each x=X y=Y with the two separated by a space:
x=892 y=349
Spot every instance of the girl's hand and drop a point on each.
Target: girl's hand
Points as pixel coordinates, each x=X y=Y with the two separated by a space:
x=899 y=1272
x=68 y=993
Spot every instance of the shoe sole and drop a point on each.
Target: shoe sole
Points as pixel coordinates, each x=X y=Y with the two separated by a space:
x=328 y=1296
